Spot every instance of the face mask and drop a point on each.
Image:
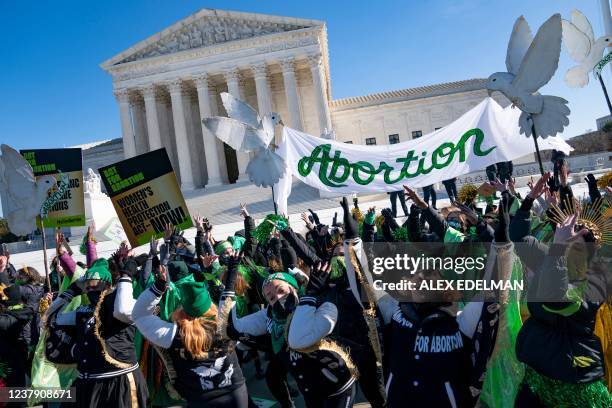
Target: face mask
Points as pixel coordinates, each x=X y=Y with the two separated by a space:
x=455 y=224
x=284 y=306
x=19 y=282
x=94 y=297
x=223 y=259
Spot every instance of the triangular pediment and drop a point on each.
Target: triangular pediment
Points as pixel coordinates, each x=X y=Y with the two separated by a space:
x=207 y=28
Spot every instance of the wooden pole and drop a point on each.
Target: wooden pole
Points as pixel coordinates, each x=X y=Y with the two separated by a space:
x=535 y=142
x=274 y=202
x=605 y=91
x=44 y=242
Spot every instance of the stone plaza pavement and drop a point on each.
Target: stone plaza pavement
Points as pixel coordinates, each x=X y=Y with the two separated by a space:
x=222 y=204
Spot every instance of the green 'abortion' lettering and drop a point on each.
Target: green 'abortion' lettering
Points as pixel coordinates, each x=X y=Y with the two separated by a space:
x=334 y=169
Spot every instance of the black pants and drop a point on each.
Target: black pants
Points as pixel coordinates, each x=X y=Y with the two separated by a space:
x=451 y=189
x=430 y=192
x=238 y=398
x=393 y=197
x=276 y=380
x=527 y=399
x=344 y=400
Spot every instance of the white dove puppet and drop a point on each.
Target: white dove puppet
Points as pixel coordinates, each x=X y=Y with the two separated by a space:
x=582 y=47
x=24 y=193
x=247 y=132
x=531 y=63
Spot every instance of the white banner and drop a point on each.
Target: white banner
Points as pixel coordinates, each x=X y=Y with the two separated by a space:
x=485 y=135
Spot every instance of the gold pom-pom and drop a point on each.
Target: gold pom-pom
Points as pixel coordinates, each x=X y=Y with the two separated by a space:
x=467 y=193
x=605 y=180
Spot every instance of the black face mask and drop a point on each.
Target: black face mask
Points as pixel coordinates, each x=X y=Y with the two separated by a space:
x=284 y=306
x=223 y=259
x=94 y=297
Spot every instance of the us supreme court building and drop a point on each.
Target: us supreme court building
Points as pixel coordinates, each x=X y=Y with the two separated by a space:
x=166 y=84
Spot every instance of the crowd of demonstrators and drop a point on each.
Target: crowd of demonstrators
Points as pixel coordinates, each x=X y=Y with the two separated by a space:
x=176 y=326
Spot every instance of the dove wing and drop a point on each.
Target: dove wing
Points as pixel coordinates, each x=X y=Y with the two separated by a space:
x=239 y=110
x=542 y=58
x=18 y=176
x=519 y=43
x=238 y=135
x=583 y=24
x=576 y=41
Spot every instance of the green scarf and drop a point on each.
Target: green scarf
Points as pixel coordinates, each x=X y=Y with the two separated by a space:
x=277 y=333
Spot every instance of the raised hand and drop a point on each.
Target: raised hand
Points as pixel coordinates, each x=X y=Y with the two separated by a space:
x=370 y=216
x=468 y=212
x=415 y=197
x=306 y=220
x=563 y=174
x=499 y=186
x=512 y=185
x=565 y=233
x=207 y=260
x=168 y=231
x=59 y=242
x=153 y=246
x=243 y=210
x=199 y=222
x=90 y=232
x=317 y=282
x=351 y=226
x=539 y=187
x=315 y=217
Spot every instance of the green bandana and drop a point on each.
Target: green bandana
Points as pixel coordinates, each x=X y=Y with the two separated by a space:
x=99 y=271
x=282 y=276
x=222 y=246
x=196 y=299
x=369 y=218
x=277 y=333
x=237 y=242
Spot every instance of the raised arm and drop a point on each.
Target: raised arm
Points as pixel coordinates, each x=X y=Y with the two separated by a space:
x=154 y=329
x=124 y=299
x=91 y=253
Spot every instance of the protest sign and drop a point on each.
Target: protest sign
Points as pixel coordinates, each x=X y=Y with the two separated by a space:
x=146 y=196
x=484 y=135
x=68 y=210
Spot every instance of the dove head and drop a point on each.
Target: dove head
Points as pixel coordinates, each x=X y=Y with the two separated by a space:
x=45 y=183
x=276 y=118
x=603 y=42
x=499 y=81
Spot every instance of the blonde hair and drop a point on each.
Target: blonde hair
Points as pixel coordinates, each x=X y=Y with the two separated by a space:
x=198 y=334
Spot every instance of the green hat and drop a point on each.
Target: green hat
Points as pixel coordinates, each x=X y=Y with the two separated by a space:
x=237 y=242
x=282 y=276
x=196 y=299
x=99 y=271
x=222 y=246
x=177 y=270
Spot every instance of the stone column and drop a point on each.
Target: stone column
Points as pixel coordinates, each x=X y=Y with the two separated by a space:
x=260 y=72
x=129 y=144
x=232 y=77
x=214 y=109
x=180 y=130
x=210 y=145
x=139 y=124
x=155 y=141
x=293 y=101
x=320 y=89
